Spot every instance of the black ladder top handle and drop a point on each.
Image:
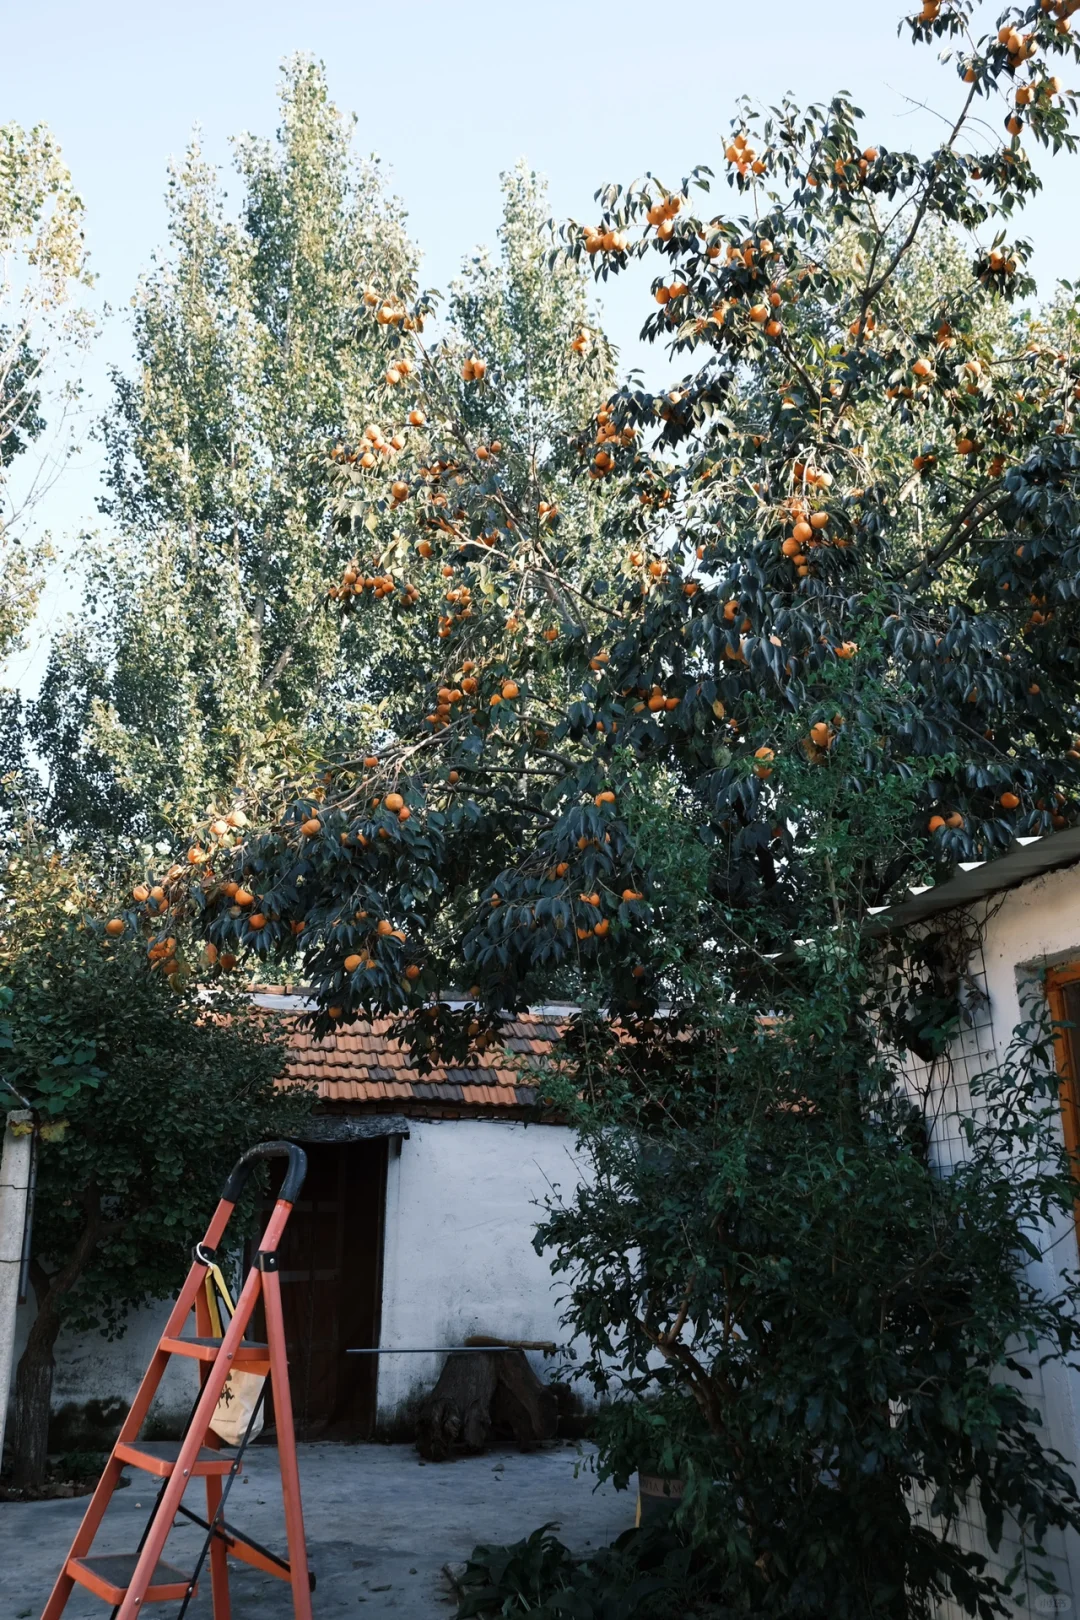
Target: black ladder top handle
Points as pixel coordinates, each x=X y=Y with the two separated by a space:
x=294 y=1175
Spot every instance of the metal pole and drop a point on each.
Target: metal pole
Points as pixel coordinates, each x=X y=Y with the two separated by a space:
x=14 y=1187
x=433 y=1350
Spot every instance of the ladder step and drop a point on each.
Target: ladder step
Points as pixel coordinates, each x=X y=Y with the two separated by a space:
x=203 y=1349
x=109 y=1578
x=158 y=1457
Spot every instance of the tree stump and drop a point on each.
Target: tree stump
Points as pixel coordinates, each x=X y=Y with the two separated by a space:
x=481 y=1395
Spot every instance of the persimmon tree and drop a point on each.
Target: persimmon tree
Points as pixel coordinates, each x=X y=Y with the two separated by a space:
x=836 y=560
x=692 y=690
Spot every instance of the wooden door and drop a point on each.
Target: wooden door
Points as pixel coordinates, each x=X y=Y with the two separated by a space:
x=331 y=1285
x=1063 y=994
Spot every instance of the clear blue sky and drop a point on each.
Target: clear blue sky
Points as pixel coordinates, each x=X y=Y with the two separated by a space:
x=448 y=94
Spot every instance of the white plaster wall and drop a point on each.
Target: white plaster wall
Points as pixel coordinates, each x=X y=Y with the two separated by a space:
x=1025 y=931
x=461 y=1206
x=462 y=1202
x=1034 y=928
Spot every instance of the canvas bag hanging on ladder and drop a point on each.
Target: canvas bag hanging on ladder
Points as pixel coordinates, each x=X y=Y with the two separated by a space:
x=242 y=1389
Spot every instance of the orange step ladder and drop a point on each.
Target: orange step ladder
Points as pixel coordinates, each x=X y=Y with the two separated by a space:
x=130 y=1580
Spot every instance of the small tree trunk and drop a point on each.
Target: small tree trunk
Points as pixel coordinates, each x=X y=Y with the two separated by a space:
x=34 y=1377
x=33 y=1398
x=478 y=1393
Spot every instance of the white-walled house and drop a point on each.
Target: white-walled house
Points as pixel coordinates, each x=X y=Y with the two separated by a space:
x=414 y=1229
x=1022 y=915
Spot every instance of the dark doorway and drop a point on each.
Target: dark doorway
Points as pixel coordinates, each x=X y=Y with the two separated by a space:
x=331 y=1289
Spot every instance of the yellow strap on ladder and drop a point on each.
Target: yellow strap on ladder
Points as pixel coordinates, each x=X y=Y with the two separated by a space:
x=217 y=1293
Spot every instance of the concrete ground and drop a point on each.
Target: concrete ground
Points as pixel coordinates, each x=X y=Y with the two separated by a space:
x=380 y=1526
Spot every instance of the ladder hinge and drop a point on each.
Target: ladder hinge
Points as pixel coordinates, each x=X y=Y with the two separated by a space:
x=266 y=1260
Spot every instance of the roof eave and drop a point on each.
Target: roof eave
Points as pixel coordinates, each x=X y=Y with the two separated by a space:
x=977 y=880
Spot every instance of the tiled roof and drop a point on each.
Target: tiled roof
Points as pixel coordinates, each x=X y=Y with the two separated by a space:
x=362 y=1065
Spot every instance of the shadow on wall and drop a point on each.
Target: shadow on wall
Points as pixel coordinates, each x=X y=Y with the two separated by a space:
x=576 y=1422
x=94 y=1425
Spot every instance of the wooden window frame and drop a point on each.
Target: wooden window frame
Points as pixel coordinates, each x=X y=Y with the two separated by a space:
x=1067 y=1049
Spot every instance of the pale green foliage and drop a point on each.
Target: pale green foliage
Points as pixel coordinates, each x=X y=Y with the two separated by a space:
x=521 y=312
x=211 y=655
x=42 y=270
x=207 y=662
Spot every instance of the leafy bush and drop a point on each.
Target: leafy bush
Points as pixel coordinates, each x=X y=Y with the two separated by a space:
x=146 y=1091
x=787 y=1305
x=644 y=1573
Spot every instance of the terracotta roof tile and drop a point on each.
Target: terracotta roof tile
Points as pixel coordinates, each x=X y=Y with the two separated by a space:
x=363 y=1063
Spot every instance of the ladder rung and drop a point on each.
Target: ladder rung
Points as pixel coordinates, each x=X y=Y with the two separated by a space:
x=202 y=1349
x=159 y=1457
x=109 y=1578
